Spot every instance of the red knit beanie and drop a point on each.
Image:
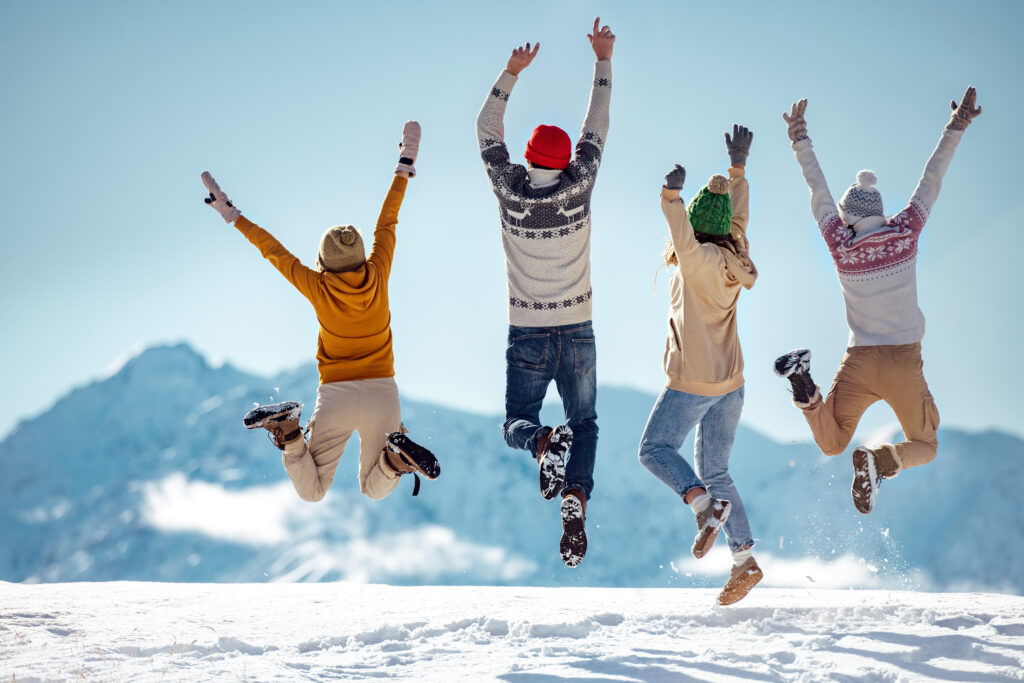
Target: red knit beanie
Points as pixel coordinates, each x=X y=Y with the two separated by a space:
x=549 y=146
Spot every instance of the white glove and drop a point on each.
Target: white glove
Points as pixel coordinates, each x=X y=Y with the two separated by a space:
x=408 y=148
x=218 y=200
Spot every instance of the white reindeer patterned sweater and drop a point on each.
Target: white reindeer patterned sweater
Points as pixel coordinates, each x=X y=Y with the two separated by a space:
x=546 y=230
x=877 y=260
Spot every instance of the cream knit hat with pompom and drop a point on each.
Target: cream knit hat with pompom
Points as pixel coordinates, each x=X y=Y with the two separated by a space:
x=341 y=249
x=861 y=199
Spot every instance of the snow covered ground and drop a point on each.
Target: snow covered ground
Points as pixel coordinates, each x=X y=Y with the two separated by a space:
x=171 y=631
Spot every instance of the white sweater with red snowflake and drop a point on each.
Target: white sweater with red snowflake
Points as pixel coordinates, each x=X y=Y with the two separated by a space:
x=877 y=259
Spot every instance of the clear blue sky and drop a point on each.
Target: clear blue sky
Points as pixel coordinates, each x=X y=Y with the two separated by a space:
x=112 y=109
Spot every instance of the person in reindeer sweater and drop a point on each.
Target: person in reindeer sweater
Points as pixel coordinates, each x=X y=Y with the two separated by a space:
x=545 y=229
x=349 y=294
x=703 y=359
x=875 y=257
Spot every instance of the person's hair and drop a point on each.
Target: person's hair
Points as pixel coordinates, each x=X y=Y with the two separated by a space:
x=723 y=241
x=546 y=168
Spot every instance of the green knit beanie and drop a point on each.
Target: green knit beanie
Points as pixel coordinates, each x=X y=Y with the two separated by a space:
x=711 y=210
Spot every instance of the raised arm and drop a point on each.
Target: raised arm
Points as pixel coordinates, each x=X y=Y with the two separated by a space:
x=927 y=190
x=302 y=278
x=382 y=252
x=738 y=147
x=595 y=126
x=688 y=250
x=490 y=123
x=823 y=207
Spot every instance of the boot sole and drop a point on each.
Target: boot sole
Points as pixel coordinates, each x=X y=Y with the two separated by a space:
x=552 y=464
x=573 y=546
x=275 y=412
x=732 y=594
x=785 y=365
x=416 y=455
x=707 y=536
x=864 y=481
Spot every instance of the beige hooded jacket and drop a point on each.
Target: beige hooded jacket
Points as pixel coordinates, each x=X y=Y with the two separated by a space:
x=702 y=354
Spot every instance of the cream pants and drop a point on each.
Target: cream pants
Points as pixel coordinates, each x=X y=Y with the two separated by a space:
x=868 y=374
x=369 y=406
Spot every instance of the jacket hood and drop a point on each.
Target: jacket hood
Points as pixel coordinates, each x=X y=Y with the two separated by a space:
x=356 y=289
x=739 y=264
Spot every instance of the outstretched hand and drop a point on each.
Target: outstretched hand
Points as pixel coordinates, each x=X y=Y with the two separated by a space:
x=738 y=145
x=965 y=112
x=521 y=58
x=675 y=178
x=408 y=149
x=602 y=40
x=797 y=125
x=218 y=200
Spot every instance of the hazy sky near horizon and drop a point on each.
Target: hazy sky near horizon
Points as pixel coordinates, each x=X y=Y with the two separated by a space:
x=112 y=109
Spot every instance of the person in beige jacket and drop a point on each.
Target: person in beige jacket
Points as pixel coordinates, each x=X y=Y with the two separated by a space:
x=703 y=359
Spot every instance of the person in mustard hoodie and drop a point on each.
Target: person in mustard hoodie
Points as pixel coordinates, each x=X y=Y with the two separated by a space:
x=703 y=359
x=357 y=392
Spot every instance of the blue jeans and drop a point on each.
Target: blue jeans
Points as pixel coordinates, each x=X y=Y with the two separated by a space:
x=567 y=355
x=716 y=418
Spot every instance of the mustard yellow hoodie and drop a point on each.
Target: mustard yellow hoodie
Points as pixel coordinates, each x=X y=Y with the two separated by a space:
x=352 y=308
x=702 y=353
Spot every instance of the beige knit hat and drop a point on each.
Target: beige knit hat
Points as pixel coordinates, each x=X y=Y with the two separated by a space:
x=341 y=249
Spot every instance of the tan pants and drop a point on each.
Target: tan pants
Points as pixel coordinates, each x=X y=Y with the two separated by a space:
x=369 y=406
x=870 y=373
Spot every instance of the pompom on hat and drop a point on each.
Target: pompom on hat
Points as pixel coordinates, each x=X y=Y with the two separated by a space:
x=861 y=199
x=549 y=146
x=341 y=249
x=710 y=211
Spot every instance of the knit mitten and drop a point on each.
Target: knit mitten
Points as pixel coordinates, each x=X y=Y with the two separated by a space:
x=675 y=178
x=218 y=200
x=408 y=148
x=739 y=144
x=795 y=119
x=965 y=112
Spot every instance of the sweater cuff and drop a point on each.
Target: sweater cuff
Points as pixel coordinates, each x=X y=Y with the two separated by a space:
x=399 y=184
x=506 y=81
x=669 y=195
x=801 y=145
x=244 y=225
x=737 y=172
x=603 y=69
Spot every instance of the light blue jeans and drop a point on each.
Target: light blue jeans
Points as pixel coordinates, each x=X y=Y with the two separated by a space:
x=716 y=418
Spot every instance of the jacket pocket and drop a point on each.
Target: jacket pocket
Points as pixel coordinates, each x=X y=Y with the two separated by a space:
x=528 y=351
x=585 y=353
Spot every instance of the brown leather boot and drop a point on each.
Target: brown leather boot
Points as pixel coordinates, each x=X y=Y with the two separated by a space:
x=280 y=419
x=741 y=580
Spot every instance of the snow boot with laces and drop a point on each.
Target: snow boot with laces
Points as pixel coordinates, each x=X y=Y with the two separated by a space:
x=741 y=580
x=281 y=420
x=404 y=456
x=709 y=523
x=870 y=467
x=796 y=367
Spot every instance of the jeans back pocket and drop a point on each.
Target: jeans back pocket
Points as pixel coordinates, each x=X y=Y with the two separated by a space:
x=585 y=351
x=529 y=351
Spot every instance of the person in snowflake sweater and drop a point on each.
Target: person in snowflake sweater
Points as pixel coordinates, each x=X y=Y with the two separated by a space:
x=545 y=229
x=703 y=359
x=875 y=257
x=349 y=294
